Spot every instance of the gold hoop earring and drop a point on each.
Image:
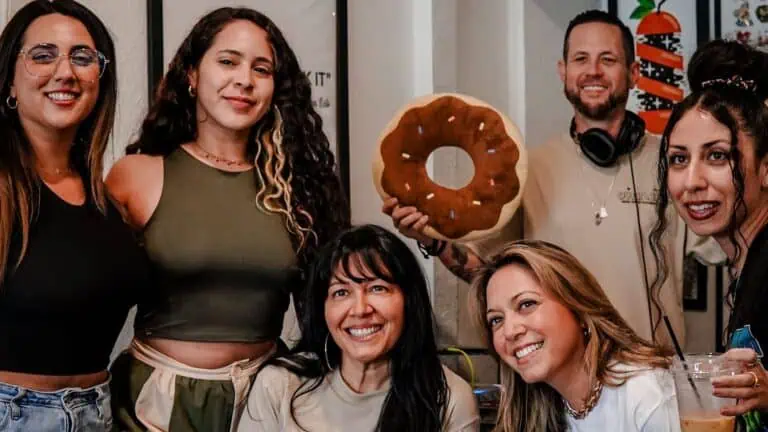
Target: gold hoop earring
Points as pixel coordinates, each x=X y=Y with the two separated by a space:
x=12 y=102
x=191 y=91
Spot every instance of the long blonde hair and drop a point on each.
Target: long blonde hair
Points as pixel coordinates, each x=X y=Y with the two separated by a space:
x=275 y=190
x=610 y=341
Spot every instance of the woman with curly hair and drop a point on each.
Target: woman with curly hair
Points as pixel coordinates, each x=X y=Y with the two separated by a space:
x=569 y=361
x=713 y=169
x=232 y=185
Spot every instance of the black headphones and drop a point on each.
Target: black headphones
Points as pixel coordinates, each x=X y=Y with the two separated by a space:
x=600 y=147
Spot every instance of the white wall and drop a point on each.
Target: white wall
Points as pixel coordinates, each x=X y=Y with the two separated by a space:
x=390 y=62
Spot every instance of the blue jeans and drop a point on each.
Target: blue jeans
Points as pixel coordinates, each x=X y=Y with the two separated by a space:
x=66 y=410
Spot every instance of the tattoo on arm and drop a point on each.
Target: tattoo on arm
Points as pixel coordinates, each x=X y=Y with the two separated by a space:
x=459 y=263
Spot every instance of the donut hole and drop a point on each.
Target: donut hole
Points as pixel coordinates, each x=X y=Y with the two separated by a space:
x=453 y=167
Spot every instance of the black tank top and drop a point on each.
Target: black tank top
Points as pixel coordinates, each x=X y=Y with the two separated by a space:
x=225 y=267
x=63 y=308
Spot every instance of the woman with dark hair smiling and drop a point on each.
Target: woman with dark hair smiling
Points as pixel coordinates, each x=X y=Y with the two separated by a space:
x=232 y=185
x=69 y=267
x=367 y=360
x=713 y=167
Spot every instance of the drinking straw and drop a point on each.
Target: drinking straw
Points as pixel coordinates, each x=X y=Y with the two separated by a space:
x=682 y=358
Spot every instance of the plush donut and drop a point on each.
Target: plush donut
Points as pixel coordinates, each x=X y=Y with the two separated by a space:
x=488 y=202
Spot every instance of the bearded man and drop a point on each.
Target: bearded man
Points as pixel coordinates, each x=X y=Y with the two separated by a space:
x=592 y=189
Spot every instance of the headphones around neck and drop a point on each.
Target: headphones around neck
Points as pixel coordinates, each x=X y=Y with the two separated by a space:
x=600 y=147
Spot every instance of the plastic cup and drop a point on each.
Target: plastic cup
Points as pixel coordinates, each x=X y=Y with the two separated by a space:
x=699 y=408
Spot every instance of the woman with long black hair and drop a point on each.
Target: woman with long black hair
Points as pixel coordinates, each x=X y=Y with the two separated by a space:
x=367 y=360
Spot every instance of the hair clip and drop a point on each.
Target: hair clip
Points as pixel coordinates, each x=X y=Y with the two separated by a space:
x=735 y=81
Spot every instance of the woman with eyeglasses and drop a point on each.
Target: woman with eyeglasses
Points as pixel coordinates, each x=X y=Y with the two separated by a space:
x=69 y=267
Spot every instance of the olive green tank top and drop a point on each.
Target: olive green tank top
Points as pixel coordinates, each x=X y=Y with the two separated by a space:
x=224 y=267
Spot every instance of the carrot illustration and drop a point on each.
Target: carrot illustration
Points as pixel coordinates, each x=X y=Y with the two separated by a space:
x=661 y=63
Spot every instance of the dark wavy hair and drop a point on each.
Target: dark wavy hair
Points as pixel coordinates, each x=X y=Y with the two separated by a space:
x=295 y=169
x=738 y=109
x=418 y=398
x=19 y=181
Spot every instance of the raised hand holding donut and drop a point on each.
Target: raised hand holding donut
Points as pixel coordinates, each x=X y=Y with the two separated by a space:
x=408 y=220
x=750 y=387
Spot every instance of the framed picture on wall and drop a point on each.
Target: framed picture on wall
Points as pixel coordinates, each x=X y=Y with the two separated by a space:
x=743 y=20
x=315 y=29
x=695 y=278
x=666 y=35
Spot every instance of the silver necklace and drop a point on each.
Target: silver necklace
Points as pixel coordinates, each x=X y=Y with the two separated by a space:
x=601 y=212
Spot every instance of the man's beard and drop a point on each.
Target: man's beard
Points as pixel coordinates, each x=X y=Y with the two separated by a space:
x=597 y=112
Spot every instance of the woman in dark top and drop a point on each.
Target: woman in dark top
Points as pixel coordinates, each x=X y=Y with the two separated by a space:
x=713 y=167
x=232 y=185
x=69 y=267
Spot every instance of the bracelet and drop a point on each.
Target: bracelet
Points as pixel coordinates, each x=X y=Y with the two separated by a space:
x=435 y=249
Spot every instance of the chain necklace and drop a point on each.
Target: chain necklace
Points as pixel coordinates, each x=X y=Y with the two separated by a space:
x=590 y=403
x=56 y=172
x=220 y=160
x=601 y=213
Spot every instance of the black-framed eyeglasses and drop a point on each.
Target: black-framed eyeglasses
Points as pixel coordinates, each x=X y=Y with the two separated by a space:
x=42 y=60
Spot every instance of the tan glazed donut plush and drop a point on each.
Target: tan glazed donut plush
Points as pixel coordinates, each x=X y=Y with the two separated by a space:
x=488 y=202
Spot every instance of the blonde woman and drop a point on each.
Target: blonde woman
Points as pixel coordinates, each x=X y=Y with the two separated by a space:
x=570 y=362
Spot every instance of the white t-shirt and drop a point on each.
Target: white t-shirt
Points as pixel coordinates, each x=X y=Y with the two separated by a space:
x=334 y=407
x=647 y=402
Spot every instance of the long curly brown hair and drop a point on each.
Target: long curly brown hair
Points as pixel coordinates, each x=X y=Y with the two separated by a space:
x=295 y=169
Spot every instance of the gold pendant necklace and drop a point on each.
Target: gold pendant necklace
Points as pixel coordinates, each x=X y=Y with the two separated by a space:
x=56 y=172
x=220 y=160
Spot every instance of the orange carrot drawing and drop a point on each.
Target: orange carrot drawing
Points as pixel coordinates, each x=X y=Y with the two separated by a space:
x=661 y=63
